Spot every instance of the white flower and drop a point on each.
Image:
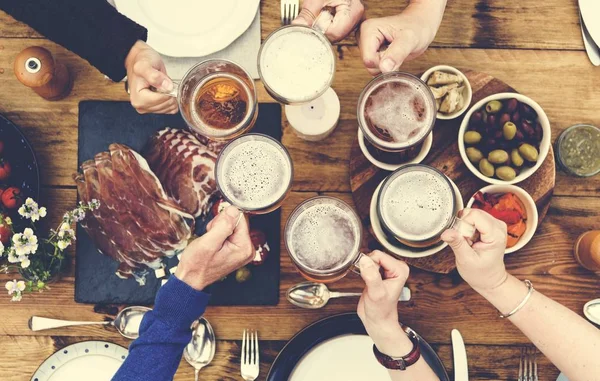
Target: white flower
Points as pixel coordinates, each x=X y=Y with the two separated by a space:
x=23 y=211
x=43 y=211
x=14 y=286
x=30 y=203
x=12 y=255
x=25 y=243
x=25 y=262
x=31 y=210
x=63 y=244
x=16 y=297
x=8 y=220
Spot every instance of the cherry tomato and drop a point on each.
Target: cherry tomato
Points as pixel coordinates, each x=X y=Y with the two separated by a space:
x=5 y=169
x=11 y=198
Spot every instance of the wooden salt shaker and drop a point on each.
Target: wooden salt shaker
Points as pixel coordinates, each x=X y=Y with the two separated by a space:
x=35 y=67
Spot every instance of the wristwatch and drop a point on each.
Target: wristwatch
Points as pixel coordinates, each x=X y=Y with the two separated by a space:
x=400 y=363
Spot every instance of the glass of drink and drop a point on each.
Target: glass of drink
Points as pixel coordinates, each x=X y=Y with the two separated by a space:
x=217 y=99
x=587 y=250
x=396 y=111
x=417 y=204
x=254 y=172
x=323 y=236
x=297 y=63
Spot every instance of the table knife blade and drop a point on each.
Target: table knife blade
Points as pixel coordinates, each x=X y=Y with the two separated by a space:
x=459 y=353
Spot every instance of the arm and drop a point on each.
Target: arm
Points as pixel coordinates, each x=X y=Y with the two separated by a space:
x=408 y=35
x=92 y=29
x=165 y=331
x=570 y=342
x=111 y=42
x=378 y=310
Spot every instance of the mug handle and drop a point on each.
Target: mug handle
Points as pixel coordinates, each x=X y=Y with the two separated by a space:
x=465 y=229
x=355 y=266
x=323 y=20
x=172 y=93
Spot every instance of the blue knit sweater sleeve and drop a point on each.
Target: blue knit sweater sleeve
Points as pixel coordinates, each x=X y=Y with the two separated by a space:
x=164 y=333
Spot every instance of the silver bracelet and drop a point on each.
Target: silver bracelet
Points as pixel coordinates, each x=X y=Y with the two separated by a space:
x=522 y=304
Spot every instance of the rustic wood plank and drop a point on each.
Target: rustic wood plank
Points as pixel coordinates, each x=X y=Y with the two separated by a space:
x=23 y=354
x=568 y=99
x=439 y=302
x=552 y=24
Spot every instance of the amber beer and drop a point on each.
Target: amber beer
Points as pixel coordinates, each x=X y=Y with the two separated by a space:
x=323 y=237
x=254 y=172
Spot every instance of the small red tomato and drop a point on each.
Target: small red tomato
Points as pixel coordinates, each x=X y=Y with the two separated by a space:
x=5 y=231
x=11 y=198
x=5 y=169
x=261 y=247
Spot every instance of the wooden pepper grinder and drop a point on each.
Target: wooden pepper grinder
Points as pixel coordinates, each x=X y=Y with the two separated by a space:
x=35 y=67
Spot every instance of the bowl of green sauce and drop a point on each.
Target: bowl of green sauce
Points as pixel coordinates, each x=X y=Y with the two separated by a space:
x=578 y=150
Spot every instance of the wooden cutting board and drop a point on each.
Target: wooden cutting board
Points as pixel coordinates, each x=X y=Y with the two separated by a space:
x=444 y=155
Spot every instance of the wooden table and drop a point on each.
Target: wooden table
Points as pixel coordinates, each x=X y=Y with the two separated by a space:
x=534 y=47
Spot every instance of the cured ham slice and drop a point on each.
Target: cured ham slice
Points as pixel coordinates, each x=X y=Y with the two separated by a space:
x=185 y=167
x=136 y=223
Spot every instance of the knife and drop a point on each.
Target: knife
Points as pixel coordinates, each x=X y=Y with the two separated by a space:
x=590 y=12
x=459 y=352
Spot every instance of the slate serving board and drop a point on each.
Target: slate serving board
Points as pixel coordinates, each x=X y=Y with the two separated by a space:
x=102 y=123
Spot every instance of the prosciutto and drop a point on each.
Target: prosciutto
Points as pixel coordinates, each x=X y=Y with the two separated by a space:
x=136 y=223
x=185 y=167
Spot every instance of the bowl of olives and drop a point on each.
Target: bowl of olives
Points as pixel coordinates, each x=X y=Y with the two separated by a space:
x=504 y=138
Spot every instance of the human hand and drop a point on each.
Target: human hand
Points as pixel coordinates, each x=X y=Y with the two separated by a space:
x=378 y=305
x=145 y=68
x=223 y=249
x=408 y=35
x=480 y=265
x=347 y=15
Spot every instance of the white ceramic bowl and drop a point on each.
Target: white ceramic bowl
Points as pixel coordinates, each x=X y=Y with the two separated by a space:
x=530 y=208
x=467 y=92
x=544 y=144
x=394 y=246
x=425 y=148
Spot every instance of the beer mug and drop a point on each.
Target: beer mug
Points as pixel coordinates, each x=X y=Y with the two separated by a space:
x=297 y=63
x=254 y=172
x=217 y=99
x=396 y=111
x=416 y=204
x=323 y=236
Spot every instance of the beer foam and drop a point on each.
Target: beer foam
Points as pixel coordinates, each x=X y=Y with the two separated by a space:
x=324 y=237
x=401 y=108
x=297 y=64
x=254 y=174
x=417 y=205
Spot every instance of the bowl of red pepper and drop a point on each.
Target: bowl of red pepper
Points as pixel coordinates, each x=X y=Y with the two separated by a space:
x=512 y=205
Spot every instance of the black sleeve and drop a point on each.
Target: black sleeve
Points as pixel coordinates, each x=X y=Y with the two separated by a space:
x=92 y=29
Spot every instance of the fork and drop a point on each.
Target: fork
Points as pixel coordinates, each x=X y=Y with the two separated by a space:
x=250 y=355
x=289 y=11
x=528 y=365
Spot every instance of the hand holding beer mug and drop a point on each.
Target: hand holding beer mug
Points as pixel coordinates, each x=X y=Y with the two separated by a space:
x=348 y=14
x=254 y=172
x=297 y=63
x=217 y=99
x=323 y=236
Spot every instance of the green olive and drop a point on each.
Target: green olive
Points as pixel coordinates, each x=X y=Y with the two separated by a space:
x=506 y=173
x=472 y=137
x=516 y=158
x=528 y=152
x=242 y=275
x=486 y=168
x=474 y=155
x=493 y=107
x=498 y=156
x=509 y=130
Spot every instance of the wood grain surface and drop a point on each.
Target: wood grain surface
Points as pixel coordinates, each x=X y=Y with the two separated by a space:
x=444 y=155
x=535 y=47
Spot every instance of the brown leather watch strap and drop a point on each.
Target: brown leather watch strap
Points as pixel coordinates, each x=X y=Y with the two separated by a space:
x=400 y=363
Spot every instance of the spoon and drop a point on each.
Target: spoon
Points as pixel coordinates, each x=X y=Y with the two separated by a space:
x=127 y=322
x=591 y=310
x=593 y=51
x=316 y=295
x=201 y=350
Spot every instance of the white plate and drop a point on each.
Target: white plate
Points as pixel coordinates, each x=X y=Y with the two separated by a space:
x=590 y=11
x=190 y=28
x=396 y=247
x=88 y=360
x=330 y=361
